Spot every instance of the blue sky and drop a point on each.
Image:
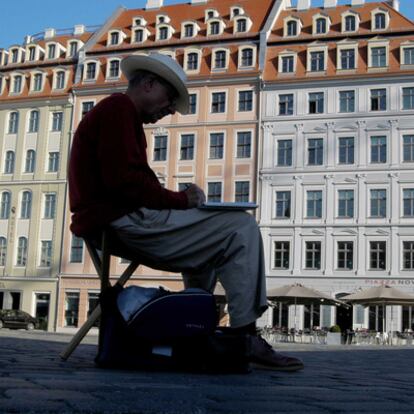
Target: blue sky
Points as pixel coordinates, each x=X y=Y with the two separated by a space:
x=23 y=17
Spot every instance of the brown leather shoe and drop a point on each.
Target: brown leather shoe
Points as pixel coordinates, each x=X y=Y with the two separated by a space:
x=263 y=356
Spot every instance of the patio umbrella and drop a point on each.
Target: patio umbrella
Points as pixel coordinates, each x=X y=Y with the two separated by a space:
x=298 y=294
x=380 y=295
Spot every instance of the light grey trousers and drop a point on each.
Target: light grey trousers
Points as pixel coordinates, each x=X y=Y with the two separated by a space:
x=205 y=246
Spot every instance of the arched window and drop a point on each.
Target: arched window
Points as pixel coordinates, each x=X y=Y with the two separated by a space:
x=350 y=23
x=247 y=57
x=26 y=206
x=9 y=163
x=321 y=25
x=37 y=82
x=220 y=59
x=30 y=161
x=13 y=122
x=241 y=25
x=21 y=252
x=214 y=28
x=114 y=69
x=3 y=251
x=138 y=35
x=380 y=21
x=292 y=28
x=73 y=49
x=5 y=205
x=17 y=84
x=90 y=70
x=34 y=121
x=189 y=30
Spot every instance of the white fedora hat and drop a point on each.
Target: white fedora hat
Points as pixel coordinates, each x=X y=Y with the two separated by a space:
x=163 y=66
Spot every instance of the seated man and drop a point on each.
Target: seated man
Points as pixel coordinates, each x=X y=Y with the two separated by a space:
x=111 y=184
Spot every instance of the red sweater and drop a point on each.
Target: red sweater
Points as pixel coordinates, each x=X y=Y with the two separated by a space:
x=109 y=175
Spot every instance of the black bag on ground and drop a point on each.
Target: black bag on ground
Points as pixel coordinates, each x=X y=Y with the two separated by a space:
x=170 y=331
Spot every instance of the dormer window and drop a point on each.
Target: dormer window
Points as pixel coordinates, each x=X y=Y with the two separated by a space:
x=246 y=57
x=60 y=80
x=163 y=33
x=90 y=73
x=17 y=84
x=379 y=21
x=138 y=35
x=32 y=53
x=114 y=38
x=138 y=22
x=241 y=25
x=73 y=49
x=320 y=26
x=51 y=51
x=37 y=82
x=192 y=61
x=220 y=59
x=210 y=14
x=214 y=28
x=236 y=12
x=161 y=19
x=14 y=56
x=189 y=30
x=292 y=28
x=114 y=69
x=350 y=24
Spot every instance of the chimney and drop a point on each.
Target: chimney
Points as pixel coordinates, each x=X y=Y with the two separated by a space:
x=153 y=4
x=329 y=3
x=49 y=33
x=199 y=1
x=79 y=29
x=357 y=2
x=395 y=4
x=27 y=39
x=303 y=5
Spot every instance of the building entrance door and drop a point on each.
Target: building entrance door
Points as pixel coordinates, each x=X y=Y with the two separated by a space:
x=42 y=309
x=343 y=315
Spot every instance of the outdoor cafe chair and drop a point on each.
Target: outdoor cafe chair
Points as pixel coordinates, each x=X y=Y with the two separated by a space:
x=101 y=252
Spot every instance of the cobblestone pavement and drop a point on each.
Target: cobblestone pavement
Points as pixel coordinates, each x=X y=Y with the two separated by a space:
x=33 y=379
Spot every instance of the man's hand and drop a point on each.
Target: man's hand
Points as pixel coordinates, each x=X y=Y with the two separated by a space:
x=195 y=196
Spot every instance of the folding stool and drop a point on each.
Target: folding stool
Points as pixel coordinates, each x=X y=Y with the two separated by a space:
x=108 y=247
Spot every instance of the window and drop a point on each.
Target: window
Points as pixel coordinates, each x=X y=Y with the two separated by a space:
x=216 y=145
x=160 y=148
x=138 y=35
x=409 y=56
x=408 y=202
x=183 y=186
x=1 y=82
x=9 y=163
x=60 y=80
x=288 y=63
x=241 y=25
x=90 y=70
x=163 y=33
x=315 y=151
x=220 y=59
x=218 y=104
x=34 y=121
x=284 y=152
x=76 y=249
x=378 y=57
x=314 y=204
x=408 y=148
x=50 y=206
x=379 y=21
x=378 y=203
x=346 y=150
x=347 y=101
x=345 y=255
x=408 y=255
x=214 y=28
x=73 y=49
x=93 y=302
x=244 y=142
x=378 y=149
x=192 y=61
x=210 y=14
x=286 y=104
x=46 y=253
x=86 y=107
x=242 y=191
x=317 y=61
x=114 y=69
x=245 y=101
x=283 y=204
x=313 y=255
x=57 y=118
x=37 y=82
x=114 y=38
x=14 y=56
x=236 y=12
x=316 y=103
x=192 y=104
x=377 y=255
x=188 y=30
x=53 y=164
x=246 y=58
x=187 y=147
x=30 y=161
x=21 y=251
x=26 y=206
x=5 y=205
x=13 y=122
x=161 y=19
x=350 y=24
x=51 y=51
x=71 y=308
x=3 y=251
x=292 y=28
x=214 y=192
x=17 y=84
x=408 y=98
x=346 y=203
x=378 y=99
x=282 y=255
x=348 y=59
x=320 y=26
x=32 y=53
